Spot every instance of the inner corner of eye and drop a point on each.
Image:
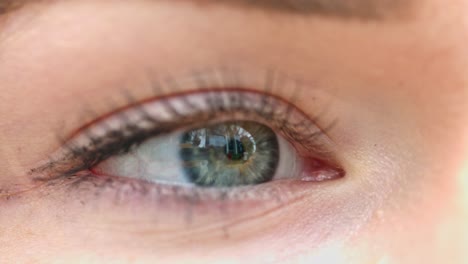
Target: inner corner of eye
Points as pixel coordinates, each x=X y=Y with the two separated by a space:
x=225 y=154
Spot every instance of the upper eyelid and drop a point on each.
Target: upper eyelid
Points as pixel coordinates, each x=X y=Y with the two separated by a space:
x=137 y=104
x=293 y=116
x=293 y=89
x=276 y=84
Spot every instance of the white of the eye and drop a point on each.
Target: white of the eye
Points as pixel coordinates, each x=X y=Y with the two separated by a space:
x=158 y=160
x=289 y=162
x=155 y=160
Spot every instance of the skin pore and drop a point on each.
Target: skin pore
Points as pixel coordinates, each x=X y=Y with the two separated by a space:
x=394 y=86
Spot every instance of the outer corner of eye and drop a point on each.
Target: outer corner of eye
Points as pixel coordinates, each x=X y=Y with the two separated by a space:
x=305 y=167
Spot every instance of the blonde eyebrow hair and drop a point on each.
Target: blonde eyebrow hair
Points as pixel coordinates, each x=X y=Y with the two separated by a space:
x=360 y=9
x=8 y=5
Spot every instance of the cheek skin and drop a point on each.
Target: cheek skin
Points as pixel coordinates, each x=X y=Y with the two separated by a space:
x=423 y=215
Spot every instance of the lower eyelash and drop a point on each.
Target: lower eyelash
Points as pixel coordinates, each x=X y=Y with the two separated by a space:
x=126 y=189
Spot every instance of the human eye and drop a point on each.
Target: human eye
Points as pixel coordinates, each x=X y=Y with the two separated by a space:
x=226 y=141
x=210 y=139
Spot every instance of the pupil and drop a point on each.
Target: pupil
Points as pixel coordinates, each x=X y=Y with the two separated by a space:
x=235 y=150
x=229 y=154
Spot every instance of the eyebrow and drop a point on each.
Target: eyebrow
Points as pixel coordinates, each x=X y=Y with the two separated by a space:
x=359 y=9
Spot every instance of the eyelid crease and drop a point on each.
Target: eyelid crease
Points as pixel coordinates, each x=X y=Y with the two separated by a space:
x=267 y=101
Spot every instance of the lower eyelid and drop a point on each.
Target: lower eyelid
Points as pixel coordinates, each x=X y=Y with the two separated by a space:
x=152 y=215
x=128 y=191
x=169 y=211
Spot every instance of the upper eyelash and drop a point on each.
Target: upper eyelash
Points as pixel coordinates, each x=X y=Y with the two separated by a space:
x=85 y=157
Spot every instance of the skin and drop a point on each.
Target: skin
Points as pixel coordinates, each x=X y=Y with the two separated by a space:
x=397 y=87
